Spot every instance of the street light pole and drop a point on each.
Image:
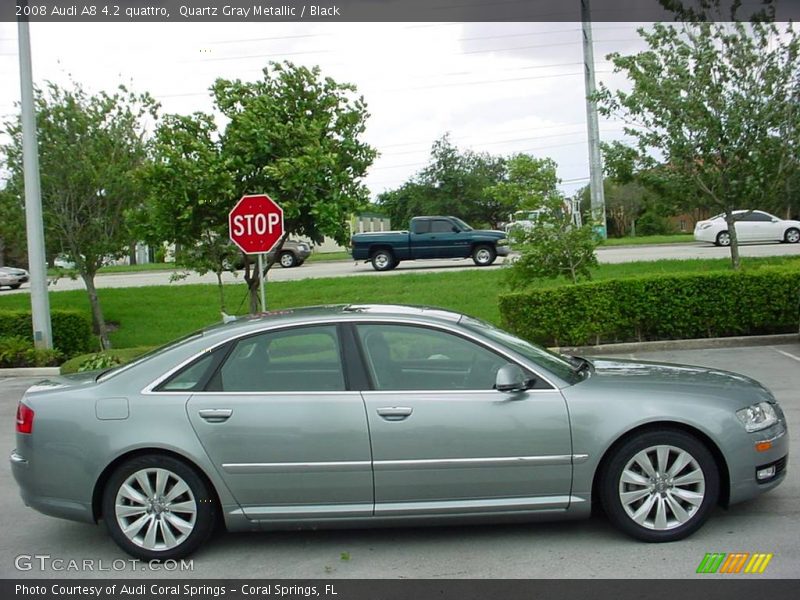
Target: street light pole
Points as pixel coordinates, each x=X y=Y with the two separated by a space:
x=595 y=160
x=37 y=263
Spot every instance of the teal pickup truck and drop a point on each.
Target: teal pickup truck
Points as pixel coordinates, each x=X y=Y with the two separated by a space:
x=429 y=237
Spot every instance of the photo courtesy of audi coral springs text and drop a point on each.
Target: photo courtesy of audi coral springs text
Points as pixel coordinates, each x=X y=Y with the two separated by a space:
x=363 y=415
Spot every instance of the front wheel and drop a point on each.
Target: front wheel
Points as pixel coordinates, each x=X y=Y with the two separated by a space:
x=723 y=238
x=792 y=236
x=287 y=260
x=660 y=486
x=158 y=508
x=483 y=255
x=15 y=286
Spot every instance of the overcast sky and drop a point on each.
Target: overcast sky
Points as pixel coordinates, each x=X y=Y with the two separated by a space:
x=496 y=87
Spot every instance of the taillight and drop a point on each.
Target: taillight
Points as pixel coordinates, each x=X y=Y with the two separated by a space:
x=24 y=418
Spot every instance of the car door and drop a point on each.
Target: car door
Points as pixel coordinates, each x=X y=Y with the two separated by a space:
x=444 y=441
x=748 y=227
x=281 y=427
x=435 y=238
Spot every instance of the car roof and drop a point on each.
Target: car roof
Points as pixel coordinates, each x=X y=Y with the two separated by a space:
x=332 y=312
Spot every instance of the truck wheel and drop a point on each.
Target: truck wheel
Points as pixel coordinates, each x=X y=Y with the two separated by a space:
x=484 y=255
x=383 y=260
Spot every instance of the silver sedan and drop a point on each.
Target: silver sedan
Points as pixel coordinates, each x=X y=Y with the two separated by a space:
x=387 y=415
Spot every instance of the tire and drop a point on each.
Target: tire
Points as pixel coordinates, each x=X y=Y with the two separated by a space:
x=792 y=236
x=189 y=516
x=723 y=239
x=383 y=260
x=15 y=286
x=484 y=255
x=287 y=260
x=653 y=507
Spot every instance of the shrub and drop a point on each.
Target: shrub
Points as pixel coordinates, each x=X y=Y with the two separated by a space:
x=16 y=351
x=72 y=330
x=764 y=301
x=651 y=223
x=102 y=360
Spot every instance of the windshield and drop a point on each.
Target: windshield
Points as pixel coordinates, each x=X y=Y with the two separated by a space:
x=461 y=224
x=549 y=361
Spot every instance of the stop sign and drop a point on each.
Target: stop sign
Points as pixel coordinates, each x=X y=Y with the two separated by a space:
x=255 y=224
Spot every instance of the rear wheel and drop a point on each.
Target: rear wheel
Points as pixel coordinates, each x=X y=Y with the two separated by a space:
x=287 y=260
x=660 y=486
x=383 y=260
x=792 y=236
x=483 y=255
x=157 y=508
x=723 y=238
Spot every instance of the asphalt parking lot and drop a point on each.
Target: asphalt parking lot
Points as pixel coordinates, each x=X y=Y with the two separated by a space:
x=576 y=549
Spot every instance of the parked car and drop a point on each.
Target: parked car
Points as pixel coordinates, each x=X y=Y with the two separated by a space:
x=293 y=254
x=12 y=277
x=751 y=226
x=523 y=220
x=387 y=415
x=429 y=237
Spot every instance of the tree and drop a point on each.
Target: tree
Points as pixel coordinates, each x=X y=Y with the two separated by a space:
x=91 y=152
x=190 y=192
x=527 y=184
x=296 y=136
x=712 y=99
x=553 y=247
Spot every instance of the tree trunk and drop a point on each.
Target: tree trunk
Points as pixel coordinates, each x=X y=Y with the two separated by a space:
x=735 y=262
x=221 y=291
x=132 y=253
x=98 y=321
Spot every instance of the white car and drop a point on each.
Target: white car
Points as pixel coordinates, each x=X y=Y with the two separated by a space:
x=751 y=226
x=13 y=278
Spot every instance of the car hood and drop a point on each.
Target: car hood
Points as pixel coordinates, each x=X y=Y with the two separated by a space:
x=646 y=378
x=489 y=233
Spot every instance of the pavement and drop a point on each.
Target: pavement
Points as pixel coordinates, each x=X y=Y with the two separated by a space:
x=577 y=549
x=315 y=270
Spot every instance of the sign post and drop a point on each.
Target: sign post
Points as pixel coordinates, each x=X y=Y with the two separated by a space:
x=255 y=225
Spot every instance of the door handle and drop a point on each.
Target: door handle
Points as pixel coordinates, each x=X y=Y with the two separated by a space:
x=395 y=413
x=215 y=415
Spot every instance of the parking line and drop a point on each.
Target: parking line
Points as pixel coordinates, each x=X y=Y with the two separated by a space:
x=797 y=358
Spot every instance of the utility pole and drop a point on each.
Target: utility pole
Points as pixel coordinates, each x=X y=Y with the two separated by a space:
x=37 y=263
x=595 y=160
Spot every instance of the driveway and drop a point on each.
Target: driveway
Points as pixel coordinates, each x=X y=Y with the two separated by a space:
x=576 y=549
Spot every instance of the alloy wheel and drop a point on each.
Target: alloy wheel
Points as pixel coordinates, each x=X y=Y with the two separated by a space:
x=155 y=509
x=662 y=487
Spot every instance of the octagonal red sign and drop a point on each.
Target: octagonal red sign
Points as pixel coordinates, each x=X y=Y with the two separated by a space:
x=255 y=224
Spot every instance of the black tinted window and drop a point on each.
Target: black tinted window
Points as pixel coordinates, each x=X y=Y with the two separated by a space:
x=441 y=226
x=294 y=360
x=421 y=226
x=404 y=357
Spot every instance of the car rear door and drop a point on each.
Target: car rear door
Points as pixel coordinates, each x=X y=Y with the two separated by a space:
x=444 y=441
x=281 y=427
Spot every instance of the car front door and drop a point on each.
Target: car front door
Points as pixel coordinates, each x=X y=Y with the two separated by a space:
x=444 y=441
x=282 y=429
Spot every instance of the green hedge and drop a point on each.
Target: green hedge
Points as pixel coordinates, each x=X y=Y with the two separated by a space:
x=765 y=301
x=72 y=330
x=103 y=360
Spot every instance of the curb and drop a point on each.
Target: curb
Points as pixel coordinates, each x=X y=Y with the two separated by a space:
x=30 y=372
x=695 y=344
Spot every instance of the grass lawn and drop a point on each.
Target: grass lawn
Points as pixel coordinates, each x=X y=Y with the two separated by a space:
x=675 y=238
x=149 y=316
x=324 y=256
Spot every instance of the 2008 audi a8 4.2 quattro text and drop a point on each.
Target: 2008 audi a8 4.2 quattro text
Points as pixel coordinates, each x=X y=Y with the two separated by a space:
x=381 y=415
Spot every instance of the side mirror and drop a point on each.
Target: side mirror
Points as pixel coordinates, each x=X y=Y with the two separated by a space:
x=775 y=220
x=456 y=229
x=510 y=378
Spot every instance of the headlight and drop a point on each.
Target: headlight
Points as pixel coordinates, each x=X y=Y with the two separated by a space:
x=502 y=242
x=757 y=417
x=302 y=247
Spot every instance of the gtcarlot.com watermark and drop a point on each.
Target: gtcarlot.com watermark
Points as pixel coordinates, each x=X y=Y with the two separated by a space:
x=46 y=562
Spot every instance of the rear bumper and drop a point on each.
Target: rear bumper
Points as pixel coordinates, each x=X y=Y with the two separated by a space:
x=62 y=508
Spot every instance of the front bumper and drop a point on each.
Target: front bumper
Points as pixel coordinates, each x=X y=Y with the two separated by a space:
x=743 y=472
x=503 y=250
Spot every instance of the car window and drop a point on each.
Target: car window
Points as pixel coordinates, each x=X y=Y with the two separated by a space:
x=294 y=360
x=190 y=377
x=754 y=217
x=441 y=226
x=421 y=226
x=406 y=357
